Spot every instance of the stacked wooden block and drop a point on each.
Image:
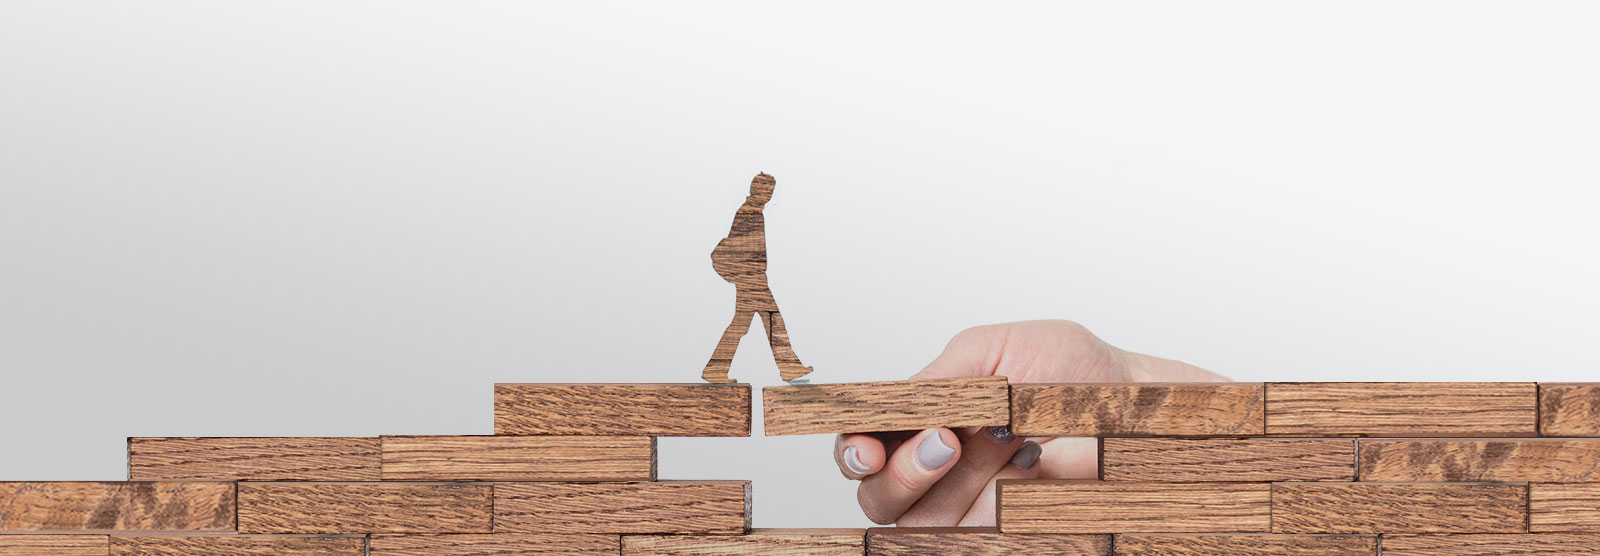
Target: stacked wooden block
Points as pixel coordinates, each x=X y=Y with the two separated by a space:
x=1412 y=469
x=570 y=470
x=1418 y=469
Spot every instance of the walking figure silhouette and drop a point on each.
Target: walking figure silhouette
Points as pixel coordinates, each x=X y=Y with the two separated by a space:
x=741 y=258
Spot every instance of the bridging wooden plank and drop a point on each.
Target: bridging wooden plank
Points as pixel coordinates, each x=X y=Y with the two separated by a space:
x=622 y=409
x=1423 y=409
x=1536 y=544
x=1569 y=409
x=253 y=459
x=1540 y=460
x=1178 y=544
x=54 y=545
x=353 y=508
x=239 y=545
x=1076 y=506
x=519 y=458
x=665 y=507
x=1253 y=460
x=1372 y=508
x=885 y=406
x=1137 y=409
x=117 y=506
x=496 y=544
x=758 y=542
x=1564 y=508
x=979 y=541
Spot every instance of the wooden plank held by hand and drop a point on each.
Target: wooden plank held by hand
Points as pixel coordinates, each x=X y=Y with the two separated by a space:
x=886 y=406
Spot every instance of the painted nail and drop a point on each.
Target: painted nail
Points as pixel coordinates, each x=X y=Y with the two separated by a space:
x=933 y=454
x=853 y=461
x=1001 y=434
x=1027 y=455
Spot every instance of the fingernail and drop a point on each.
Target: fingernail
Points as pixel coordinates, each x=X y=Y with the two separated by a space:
x=933 y=454
x=1027 y=455
x=854 y=462
x=1001 y=434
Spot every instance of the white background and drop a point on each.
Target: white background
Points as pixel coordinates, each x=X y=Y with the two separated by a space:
x=352 y=218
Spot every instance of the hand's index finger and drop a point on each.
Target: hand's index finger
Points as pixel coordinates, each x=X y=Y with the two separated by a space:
x=859 y=455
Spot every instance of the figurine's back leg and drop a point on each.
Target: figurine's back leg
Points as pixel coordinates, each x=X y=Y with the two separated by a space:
x=789 y=365
x=722 y=358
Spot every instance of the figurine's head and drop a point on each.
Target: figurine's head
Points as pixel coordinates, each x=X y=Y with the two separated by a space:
x=761 y=188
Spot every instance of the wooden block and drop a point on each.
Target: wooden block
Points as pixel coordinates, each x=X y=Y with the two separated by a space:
x=498 y=544
x=1073 y=506
x=519 y=458
x=666 y=507
x=1538 y=544
x=886 y=406
x=1458 y=409
x=1555 y=508
x=1185 y=460
x=350 y=508
x=53 y=545
x=764 y=542
x=117 y=506
x=979 y=541
x=1569 y=409
x=1172 y=544
x=1369 y=508
x=622 y=409
x=254 y=459
x=1465 y=461
x=1136 y=409
x=239 y=545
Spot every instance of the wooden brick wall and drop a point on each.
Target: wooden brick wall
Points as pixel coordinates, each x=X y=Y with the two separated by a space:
x=1340 y=469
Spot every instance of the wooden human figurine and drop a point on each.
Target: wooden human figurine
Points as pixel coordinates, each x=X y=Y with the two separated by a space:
x=741 y=258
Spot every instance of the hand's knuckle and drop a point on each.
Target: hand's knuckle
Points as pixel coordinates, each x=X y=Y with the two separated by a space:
x=906 y=483
x=971 y=334
x=872 y=508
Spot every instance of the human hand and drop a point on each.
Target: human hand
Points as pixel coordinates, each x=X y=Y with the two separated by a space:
x=942 y=477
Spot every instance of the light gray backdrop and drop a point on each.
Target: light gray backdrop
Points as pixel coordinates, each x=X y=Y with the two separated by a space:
x=352 y=218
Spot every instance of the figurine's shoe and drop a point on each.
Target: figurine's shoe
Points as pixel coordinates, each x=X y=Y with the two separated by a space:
x=789 y=373
x=717 y=371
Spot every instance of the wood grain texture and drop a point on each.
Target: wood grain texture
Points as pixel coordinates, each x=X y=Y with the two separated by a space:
x=519 y=458
x=235 y=545
x=741 y=259
x=53 y=545
x=1074 y=506
x=1246 y=545
x=1569 y=409
x=758 y=542
x=117 y=506
x=1465 y=461
x=622 y=409
x=979 y=541
x=497 y=544
x=1451 y=409
x=1556 y=508
x=666 y=507
x=885 y=406
x=1369 y=508
x=254 y=459
x=1136 y=409
x=1538 y=544
x=1185 y=460
x=353 y=508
